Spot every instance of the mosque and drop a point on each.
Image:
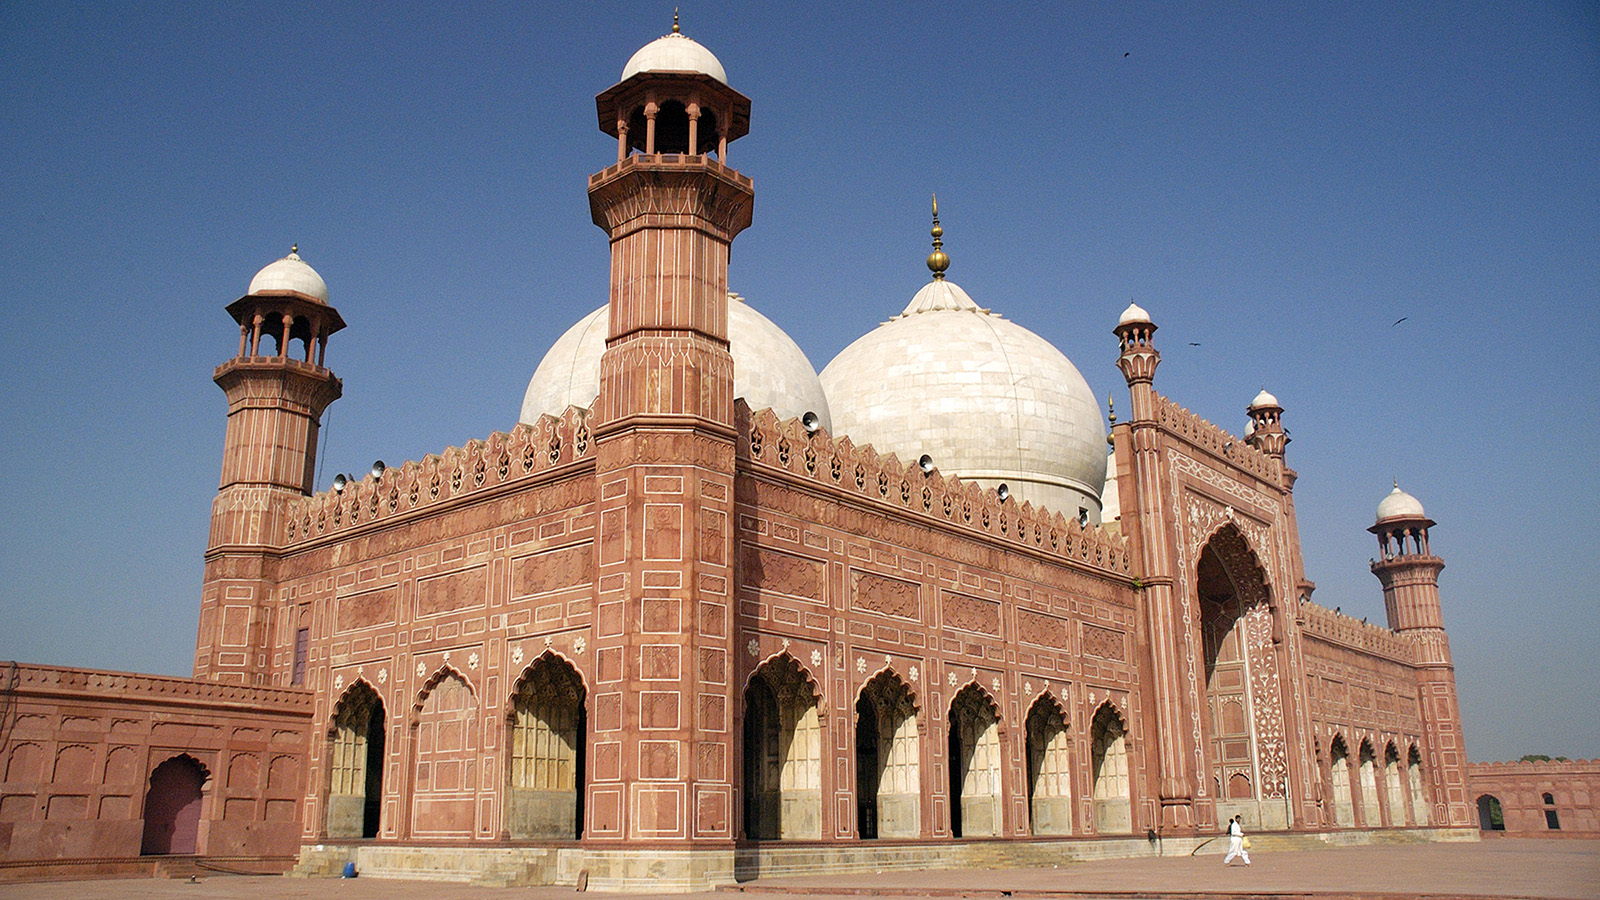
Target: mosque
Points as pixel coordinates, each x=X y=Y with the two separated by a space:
x=704 y=611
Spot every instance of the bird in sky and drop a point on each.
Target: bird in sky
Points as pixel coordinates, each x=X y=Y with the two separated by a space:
x=1125 y=55
x=1194 y=343
x=1399 y=320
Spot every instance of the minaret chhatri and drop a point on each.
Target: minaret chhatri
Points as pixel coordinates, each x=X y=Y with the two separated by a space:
x=662 y=736
x=278 y=386
x=1409 y=572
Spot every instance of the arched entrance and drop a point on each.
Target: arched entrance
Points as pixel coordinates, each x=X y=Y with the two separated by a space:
x=974 y=764
x=356 y=755
x=1419 y=798
x=1394 y=788
x=1049 y=768
x=172 y=807
x=1242 y=702
x=888 y=783
x=548 y=733
x=782 y=754
x=1371 y=813
x=1344 y=815
x=1108 y=771
x=1491 y=817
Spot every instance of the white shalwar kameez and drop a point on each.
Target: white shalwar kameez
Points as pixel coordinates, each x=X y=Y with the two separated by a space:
x=1236 y=844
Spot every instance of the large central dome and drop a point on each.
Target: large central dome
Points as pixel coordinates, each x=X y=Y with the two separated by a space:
x=987 y=399
x=769 y=368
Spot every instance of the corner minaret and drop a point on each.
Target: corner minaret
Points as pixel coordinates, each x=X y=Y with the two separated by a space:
x=278 y=387
x=1266 y=431
x=662 y=737
x=1410 y=575
x=1148 y=523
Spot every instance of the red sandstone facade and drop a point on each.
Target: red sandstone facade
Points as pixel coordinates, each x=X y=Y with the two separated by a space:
x=1557 y=798
x=670 y=626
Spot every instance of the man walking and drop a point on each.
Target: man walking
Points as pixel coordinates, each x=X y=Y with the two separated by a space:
x=1236 y=842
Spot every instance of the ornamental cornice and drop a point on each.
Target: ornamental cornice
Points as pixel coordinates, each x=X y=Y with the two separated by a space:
x=23 y=679
x=548 y=450
x=784 y=451
x=1194 y=431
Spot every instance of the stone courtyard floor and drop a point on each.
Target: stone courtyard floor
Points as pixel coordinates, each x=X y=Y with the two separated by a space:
x=1494 y=868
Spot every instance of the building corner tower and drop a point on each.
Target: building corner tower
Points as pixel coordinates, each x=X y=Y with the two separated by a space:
x=277 y=386
x=1410 y=575
x=662 y=727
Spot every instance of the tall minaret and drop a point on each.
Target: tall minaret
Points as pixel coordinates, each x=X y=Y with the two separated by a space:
x=1410 y=575
x=1147 y=522
x=665 y=699
x=277 y=387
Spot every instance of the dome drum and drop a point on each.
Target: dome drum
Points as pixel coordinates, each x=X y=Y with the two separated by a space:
x=681 y=104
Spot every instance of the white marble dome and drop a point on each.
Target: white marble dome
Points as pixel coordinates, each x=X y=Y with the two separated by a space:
x=1134 y=313
x=674 y=53
x=769 y=368
x=290 y=274
x=1263 y=399
x=1400 y=505
x=987 y=399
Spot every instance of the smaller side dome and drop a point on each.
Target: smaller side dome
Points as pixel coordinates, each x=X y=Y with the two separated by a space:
x=1264 y=399
x=1134 y=313
x=290 y=274
x=674 y=53
x=1400 y=505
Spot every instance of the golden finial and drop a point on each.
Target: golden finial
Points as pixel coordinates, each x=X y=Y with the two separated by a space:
x=1111 y=408
x=295 y=247
x=674 y=20
x=938 y=261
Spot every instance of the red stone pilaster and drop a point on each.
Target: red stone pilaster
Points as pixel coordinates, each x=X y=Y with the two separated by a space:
x=1152 y=530
x=275 y=406
x=1411 y=599
x=662 y=729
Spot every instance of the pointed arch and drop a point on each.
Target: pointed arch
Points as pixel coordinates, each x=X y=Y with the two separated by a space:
x=356 y=754
x=1394 y=787
x=1367 y=785
x=1340 y=782
x=445 y=740
x=1491 y=815
x=546 y=745
x=445 y=670
x=888 y=756
x=782 y=751
x=1418 y=788
x=1108 y=771
x=1049 y=762
x=973 y=721
x=172 y=806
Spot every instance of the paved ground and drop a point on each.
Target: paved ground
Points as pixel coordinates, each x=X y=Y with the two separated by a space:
x=1497 y=868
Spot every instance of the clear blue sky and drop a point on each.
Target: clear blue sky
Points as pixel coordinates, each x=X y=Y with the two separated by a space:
x=1275 y=182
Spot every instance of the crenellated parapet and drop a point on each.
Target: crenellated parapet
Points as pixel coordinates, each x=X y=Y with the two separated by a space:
x=527 y=453
x=901 y=488
x=1202 y=434
x=58 y=681
x=1337 y=628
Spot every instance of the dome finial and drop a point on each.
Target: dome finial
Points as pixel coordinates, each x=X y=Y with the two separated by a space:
x=295 y=247
x=675 y=20
x=938 y=261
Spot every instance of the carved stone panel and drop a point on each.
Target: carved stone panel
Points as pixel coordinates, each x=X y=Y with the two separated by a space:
x=887 y=596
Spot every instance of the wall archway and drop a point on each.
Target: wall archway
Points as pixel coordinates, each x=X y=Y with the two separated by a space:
x=547 y=742
x=1108 y=772
x=172 y=807
x=356 y=754
x=782 y=752
x=974 y=740
x=888 y=756
x=1049 y=750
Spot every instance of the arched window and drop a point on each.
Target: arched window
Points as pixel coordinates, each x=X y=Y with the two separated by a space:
x=1049 y=769
x=172 y=807
x=1396 y=790
x=1109 y=772
x=783 y=754
x=1419 y=799
x=1552 y=820
x=1339 y=775
x=1490 y=816
x=888 y=783
x=974 y=764
x=547 y=743
x=355 y=790
x=1371 y=813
